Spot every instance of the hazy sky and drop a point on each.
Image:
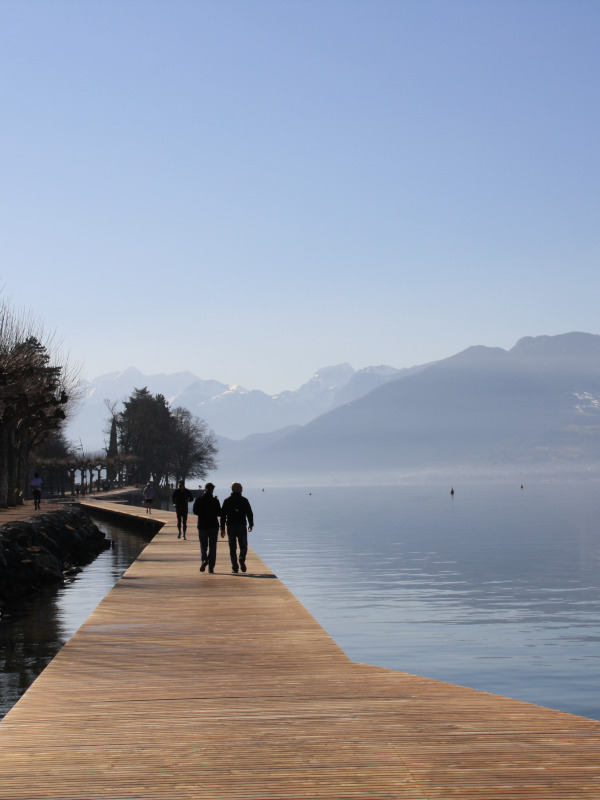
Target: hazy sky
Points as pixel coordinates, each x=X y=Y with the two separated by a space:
x=253 y=189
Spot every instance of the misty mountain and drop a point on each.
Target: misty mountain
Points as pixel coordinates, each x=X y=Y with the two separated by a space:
x=230 y=411
x=538 y=403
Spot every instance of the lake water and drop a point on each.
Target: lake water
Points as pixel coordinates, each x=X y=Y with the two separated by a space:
x=495 y=588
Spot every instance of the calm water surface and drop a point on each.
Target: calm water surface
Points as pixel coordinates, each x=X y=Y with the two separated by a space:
x=495 y=588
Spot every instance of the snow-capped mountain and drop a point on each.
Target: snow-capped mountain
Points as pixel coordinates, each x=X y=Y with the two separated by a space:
x=231 y=411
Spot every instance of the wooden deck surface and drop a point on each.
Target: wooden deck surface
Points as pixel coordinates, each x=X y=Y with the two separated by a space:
x=188 y=685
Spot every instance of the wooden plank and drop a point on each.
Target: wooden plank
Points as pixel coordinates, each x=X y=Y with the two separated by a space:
x=188 y=685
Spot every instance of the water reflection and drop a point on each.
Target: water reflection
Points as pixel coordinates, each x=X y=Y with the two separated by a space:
x=33 y=631
x=494 y=588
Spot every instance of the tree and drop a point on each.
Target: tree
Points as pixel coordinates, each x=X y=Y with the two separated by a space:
x=162 y=443
x=144 y=429
x=193 y=446
x=113 y=465
x=35 y=396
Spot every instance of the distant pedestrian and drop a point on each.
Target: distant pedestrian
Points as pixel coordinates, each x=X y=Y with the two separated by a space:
x=148 y=497
x=236 y=511
x=181 y=498
x=208 y=510
x=36 y=489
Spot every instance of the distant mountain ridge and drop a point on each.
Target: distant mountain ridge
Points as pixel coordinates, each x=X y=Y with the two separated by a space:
x=536 y=404
x=231 y=411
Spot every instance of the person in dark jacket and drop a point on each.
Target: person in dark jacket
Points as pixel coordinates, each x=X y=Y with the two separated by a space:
x=235 y=512
x=181 y=498
x=208 y=510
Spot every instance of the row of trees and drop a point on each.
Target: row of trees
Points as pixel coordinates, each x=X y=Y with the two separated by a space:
x=147 y=441
x=37 y=390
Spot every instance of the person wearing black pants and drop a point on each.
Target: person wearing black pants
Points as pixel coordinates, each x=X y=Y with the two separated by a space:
x=208 y=510
x=181 y=498
x=236 y=511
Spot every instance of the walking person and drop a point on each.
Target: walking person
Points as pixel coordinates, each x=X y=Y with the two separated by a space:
x=208 y=510
x=36 y=488
x=235 y=512
x=181 y=498
x=148 y=494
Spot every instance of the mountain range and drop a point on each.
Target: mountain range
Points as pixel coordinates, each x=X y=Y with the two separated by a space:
x=535 y=406
x=231 y=411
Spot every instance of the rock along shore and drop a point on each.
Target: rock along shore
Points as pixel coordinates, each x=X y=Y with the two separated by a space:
x=43 y=550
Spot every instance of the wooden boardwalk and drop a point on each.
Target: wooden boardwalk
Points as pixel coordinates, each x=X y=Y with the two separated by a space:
x=188 y=685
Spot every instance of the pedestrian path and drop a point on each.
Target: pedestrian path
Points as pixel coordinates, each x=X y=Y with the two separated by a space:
x=26 y=509
x=187 y=685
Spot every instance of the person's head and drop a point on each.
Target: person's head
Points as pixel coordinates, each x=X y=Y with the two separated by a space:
x=181 y=484
x=236 y=487
x=210 y=487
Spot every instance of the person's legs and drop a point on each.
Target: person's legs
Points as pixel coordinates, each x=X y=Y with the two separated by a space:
x=232 y=531
x=233 y=550
x=243 y=540
x=237 y=534
x=182 y=515
x=213 y=536
x=203 y=535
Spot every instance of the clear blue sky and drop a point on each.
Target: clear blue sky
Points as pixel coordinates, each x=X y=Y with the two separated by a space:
x=253 y=189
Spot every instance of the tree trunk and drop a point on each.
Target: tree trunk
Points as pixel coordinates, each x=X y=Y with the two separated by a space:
x=3 y=467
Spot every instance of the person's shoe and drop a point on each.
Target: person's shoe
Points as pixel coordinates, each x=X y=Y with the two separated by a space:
x=203 y=566
x=184 y=535
x=235 y=569
x=179 y=535
x=211 y=570
x=243 y=566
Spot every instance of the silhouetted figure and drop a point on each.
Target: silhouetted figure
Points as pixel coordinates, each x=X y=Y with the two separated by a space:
x=181 y=498
x=36 y=488
x=208 y=510
x=236 y=510
x=148 y=497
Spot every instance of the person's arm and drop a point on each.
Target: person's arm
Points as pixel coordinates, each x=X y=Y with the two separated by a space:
x=250 y=516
